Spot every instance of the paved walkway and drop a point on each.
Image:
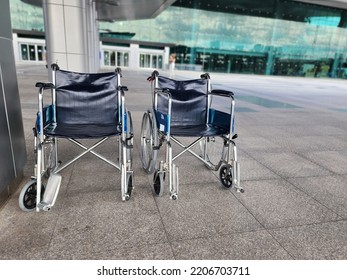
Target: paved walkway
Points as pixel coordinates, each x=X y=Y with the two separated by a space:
x=293 y=154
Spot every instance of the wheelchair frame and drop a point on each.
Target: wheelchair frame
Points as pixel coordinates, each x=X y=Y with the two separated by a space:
x=46 y=149
x=152 y=138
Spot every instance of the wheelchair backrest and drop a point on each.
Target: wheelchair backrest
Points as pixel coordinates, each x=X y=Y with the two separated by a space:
x=83 y=98
x=189 y=101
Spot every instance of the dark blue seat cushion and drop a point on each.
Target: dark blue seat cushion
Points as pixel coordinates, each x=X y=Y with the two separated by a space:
x=82 y=130
x=197 y=130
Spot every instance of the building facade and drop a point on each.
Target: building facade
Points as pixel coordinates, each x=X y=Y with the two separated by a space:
x=269 y=37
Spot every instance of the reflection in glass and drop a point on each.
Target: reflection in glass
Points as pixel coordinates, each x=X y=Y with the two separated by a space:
x=260 y=37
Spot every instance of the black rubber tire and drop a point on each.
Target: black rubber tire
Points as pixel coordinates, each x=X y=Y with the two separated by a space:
x=225 y=176
x=158 y=183
x=130 y=185
x=27 y=197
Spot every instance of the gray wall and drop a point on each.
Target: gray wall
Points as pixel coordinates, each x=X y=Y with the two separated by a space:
x=12 y=143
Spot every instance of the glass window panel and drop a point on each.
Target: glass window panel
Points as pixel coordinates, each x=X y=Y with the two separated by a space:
x=142 y=60
x=160 y=62
x=119 y=59
x=106 y=58
x=154 y=61
x=40 y=53
x=126 y=59
x=112 y=59
x=24 y=51
x=32 y=53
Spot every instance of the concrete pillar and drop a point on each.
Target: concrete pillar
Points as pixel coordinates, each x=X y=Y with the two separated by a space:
x=12 y=142
x=92 y=37
x=134 y=59
x=15 y=46
x=66 y=34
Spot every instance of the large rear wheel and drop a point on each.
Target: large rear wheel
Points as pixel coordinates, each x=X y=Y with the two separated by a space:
x=149 y=142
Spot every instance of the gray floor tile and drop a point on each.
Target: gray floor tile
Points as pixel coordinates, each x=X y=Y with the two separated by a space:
x=251 y=169
x=314 y=130
x=203 y=210
x=257 y=143
x=288 y=164
x=285 y=206
x=84 y=182
x=331 y=191
x=327 y=241
x=161 y=251
x=25 y=235
x=335 y=161
x=257 y=245
x=94 y=222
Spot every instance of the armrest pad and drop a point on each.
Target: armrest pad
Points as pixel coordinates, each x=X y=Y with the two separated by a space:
x=45 y=85
x=205 y=76
x=222 y=92
x=55 y=67
x=154 y=74
x=123 y=88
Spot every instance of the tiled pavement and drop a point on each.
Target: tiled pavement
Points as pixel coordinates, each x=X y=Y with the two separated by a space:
x=293 y=153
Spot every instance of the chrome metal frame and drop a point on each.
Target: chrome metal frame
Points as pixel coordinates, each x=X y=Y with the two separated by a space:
x=228 y=157
x=40 y=140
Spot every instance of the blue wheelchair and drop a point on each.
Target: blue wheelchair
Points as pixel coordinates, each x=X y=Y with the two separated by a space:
x=189 y=109
x=82 y=106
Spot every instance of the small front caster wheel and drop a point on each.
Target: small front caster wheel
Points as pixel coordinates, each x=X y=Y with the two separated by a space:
x=27 y=197
x=174 y=196
x=225 y=176
x=130 y=186
x=158 y=183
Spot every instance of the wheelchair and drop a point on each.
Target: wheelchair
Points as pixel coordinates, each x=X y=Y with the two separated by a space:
x=189 y=110
x=82 y=106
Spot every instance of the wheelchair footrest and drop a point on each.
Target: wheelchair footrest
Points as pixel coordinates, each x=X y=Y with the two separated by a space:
x=51 y=192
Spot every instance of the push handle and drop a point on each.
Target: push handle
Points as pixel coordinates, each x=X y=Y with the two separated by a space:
x=44 y=85
x=55 y=67
x=154 y=74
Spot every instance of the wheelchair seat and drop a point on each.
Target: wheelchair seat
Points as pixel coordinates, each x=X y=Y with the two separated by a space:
x=197 y=130
x=82 y=131
x=83 y=106
x=189 y=108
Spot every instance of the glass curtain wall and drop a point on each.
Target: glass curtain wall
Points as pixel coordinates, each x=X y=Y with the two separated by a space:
x=25 y=16
x=273 y=37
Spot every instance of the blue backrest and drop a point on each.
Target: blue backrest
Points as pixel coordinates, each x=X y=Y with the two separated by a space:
x=84 y=98
x=189 y=101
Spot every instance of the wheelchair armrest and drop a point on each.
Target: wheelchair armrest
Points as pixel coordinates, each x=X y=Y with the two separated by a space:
x=222 y=92
x=123 y=88
x=55 y=67
x=154 y=74
x=205 y=76
x=44 y=85
x=166 y=90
